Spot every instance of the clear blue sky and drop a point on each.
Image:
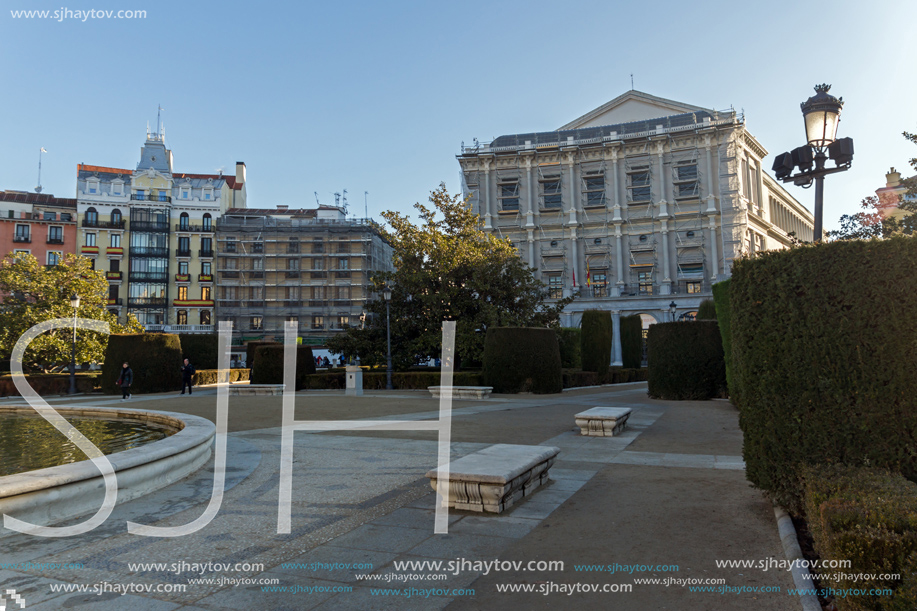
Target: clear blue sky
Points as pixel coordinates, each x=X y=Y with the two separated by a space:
x=377 y=96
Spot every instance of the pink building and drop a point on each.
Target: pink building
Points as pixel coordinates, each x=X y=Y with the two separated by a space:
x=37 y=223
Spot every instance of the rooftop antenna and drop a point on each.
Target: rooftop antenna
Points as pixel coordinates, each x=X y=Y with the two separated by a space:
x=159 y=110
x=631 y=81
x=337 y=200
x=345 y=201
x=365 y=205
x=40 y=151
x=317 y=203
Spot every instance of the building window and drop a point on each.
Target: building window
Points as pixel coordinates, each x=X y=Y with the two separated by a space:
x=49 y=216
x=258 y=247
x=208 y=222
x=163 y=197
x=114 y=265
x=292 y=264
x=555 y=286
x=686 y=181
x=207 y=247
x=181 y=317
x=691 y=270
x=318 y=247
x=318 y=322
x=256 y=322
x=205 y=268
x=93 y=187
x=92 y=217
x=692 y=287
x=205 y=317
x=318 y=264
x=182 y=267
x=115 y=240
x=66 y=216
x=638 y=185
x=53 y=258
x=343 y=322
x=600 y=285
x=508 y=194
x=205 y=293
x=208 y=194
x=22 y=233
x=645 y=282
x=90 y=239
x=116 y=216
x=56 y=235
x=183 y=293
x=184 y=245
x=551 y=193
x=750 y=180
x=343 y=247
x=343 y=263
x=293 y=245
x=92 y=263
x=116 y=188
x=184 y=222
x=185 y=193
x=140 y=194
x=594 y=190
x=230 y=246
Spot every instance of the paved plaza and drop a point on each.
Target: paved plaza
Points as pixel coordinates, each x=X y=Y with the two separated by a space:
x=668 y=490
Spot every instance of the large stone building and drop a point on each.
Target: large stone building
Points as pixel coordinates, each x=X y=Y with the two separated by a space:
x=38 y=224
x=152 y=230
x=892 y=193
x=635 y=205
x=307 y=265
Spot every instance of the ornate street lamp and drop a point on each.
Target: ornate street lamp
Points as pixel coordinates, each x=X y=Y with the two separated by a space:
x=672 y=309
x=821 y=113
x=75 y=304
x=387 y=294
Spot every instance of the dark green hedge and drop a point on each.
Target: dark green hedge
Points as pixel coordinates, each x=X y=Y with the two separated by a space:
x=52 y=383
x=706 y=310
x=155 y=359
x=869 y=517
x=615 y=375
x=250 y=348
x=407 y=380
x=685 y=361
x=268 y=367
x=823 y=345
x=568 y=340
x=521 y=359
x=724 y=317
x=596 y=340
x=632 y=341
x=210 y=376
x=201 y=349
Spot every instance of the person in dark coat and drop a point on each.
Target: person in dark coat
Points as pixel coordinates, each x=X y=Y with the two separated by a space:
x=125 y=380
x=187 y=373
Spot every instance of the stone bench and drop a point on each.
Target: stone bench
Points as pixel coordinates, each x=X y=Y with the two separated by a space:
x=497 y=477
x=255 y=389
x=603 y=421
x=463 y=392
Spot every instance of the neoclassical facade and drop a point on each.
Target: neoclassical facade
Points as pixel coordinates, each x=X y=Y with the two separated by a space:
x=637 y=204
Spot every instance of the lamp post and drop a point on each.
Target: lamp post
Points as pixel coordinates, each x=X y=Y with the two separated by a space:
x=821 y=114
x=672 y=308
x=387 y=293
x=75 y=303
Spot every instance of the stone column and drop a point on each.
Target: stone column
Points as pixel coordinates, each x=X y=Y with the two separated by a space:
x=616 y=353
x=486 y=192
x=529 y=210
x=666 y=287
x=619 y=251
x=531 y=241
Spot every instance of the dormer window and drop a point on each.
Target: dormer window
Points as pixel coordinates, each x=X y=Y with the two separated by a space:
x=117 y=187
x=185 y=193
x=208 y=193
x=93 y=186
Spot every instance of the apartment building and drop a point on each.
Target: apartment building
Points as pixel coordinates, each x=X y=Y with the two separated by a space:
x=38 y=224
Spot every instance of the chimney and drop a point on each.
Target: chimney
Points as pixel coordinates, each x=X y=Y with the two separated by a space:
x=240 y=172
x=280 y=207
x=893 y=178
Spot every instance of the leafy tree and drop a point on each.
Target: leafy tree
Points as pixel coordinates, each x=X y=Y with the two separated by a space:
x=447 y=268
x=33 y=293
x=870 y=222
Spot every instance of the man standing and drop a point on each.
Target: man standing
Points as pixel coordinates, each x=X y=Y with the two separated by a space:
x=125 y=380
x=187 y=373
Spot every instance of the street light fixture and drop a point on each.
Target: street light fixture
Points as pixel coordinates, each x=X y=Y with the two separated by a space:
x=387 y=294
x=821 y=113
x=672 y=309
x=75 y=304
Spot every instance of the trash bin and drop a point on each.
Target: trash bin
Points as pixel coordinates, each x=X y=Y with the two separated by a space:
x=354 y=381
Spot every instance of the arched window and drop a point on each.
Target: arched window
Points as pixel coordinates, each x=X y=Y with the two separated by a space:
x=184 y=222
x=207 y=223
x=92 y=217
x=116 y=219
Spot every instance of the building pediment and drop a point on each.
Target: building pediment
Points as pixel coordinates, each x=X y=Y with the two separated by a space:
x=631 y=106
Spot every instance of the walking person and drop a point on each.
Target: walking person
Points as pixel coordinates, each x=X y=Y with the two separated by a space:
x=125 y=380
x=187 y=373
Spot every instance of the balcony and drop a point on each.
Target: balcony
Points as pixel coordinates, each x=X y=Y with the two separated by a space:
x=89 y=250
x=229 y=274
x=205 y=253
x=194 y=303
x=205 y=278
x=179 y=328
x=22 y=239
x=55 y=240
x=149 y=251
x=182 y=252
x=194 y=228
x=148 y=197
x=158 y=277
x=113 y=275
x=147 y=302
x=245 y=303
x=114 y=302
x=183 y=277
x=342 y=274
x=114 y=250
x=149 y=226
x=292 y=273
x=97 y=224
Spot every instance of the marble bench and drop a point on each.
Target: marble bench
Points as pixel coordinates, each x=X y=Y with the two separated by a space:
x=463 y=392
x=603 y=421
x=255 y=389
x=495 y=478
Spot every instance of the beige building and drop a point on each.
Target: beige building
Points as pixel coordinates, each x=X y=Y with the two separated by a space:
x=891 y=194
x=311 y=266
x=638 y=204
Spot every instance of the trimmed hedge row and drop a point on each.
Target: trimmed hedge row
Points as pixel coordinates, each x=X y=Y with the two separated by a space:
x=685 y=361
x=210 y=376
x=201 y=349
x=632 y=341
x=869 y=517
x=268 y=367
x=51 y=384
x=706 y=310
x=568 y=340
x=250 y=349
x=724 y=317
x=823 y=340
x=617 y=375
x=155 y=359
x=522 y=359
x=596 y=340
x=416 y=380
